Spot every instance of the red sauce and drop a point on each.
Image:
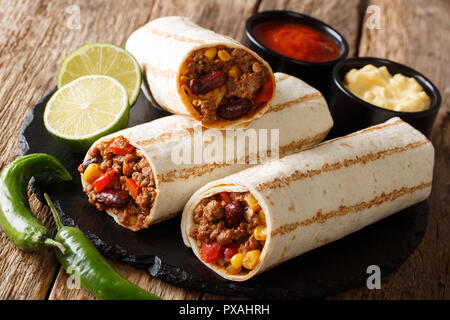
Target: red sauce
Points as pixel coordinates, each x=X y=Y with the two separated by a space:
x=296 y=41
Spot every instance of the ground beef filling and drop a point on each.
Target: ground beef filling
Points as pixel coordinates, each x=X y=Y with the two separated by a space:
x=225 y=83
x=230 y=230
x=119 y=180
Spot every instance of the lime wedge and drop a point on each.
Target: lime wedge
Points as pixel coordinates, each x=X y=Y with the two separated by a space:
x=86 y=109
x=103 y=59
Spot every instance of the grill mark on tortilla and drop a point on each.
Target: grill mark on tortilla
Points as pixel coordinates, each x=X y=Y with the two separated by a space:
x=292 y=206
x=357 y=133
x=297 y=145
x=202 y=169
x=298 y=175
x=322 y=241
x=167 y=136
x=284 y=105
x=173 y=36
x=158 y=72
x=344 y=210
x=189 y=23
x=162 y=73
x=284 y=252
x=345 y=144
x=185 y=173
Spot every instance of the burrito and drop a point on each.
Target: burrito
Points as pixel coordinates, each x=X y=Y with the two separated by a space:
x=135 y=176
x=196 y=72
x=254 y=220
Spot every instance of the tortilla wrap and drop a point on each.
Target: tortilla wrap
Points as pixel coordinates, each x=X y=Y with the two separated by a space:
x=298 y=111
x=329 y=191
x=162 y=46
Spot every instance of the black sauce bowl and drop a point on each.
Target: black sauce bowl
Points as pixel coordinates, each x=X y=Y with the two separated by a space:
x=351 y=113
x=316 y=74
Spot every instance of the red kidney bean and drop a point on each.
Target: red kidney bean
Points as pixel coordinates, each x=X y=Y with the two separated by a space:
x=114 y=198
x=234 y=109
x=208 y=82
x=233 y=214
x=96 y=159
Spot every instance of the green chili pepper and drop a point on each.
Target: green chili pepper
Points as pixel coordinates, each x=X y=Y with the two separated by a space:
x=16 y=219
x=84 y=263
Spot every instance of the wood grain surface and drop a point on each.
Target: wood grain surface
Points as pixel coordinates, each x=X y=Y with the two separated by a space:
x=36 y=36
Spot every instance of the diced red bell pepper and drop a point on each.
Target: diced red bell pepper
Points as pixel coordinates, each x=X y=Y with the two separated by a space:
x=266 y=92
x=120 y=148
x=111 y=173
x=101 y=183
x=230 y=250
x=225 y=196
x=210 y=252
x=132 y=187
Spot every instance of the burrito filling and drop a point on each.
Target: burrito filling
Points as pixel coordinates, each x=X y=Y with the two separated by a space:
x=230 y=231
x=119 y=181
x=225 y=83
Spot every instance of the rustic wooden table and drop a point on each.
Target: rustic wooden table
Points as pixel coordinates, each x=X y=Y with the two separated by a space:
x=36 y=36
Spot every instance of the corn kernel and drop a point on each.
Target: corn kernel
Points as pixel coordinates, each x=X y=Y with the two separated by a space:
x=260 y=233
x=252 y=203
x=184 y=69
x=92 y=172
x=262 y=217
x=211 y=53
x=224 y=55
x=251 y=259
x=234 y=72
x=236 y=261
x=132 y=220
x=196 y=102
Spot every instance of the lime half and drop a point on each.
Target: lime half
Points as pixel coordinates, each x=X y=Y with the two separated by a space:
x=103 y=59
x=86 y=109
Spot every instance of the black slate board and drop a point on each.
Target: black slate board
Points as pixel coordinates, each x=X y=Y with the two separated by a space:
x=330 y=269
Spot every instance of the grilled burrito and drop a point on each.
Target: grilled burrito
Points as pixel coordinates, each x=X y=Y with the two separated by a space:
x=196 y=72
x=132 y=174
x=254 y=220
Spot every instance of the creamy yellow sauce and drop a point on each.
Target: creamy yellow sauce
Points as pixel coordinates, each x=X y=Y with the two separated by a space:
x=378 y=87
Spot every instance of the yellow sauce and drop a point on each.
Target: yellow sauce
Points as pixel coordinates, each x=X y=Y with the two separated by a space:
x=378 y=87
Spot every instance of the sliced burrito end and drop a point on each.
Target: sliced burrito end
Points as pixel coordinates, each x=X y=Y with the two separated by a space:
x=119 y=180
x=220 y=84
x=228 y=231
